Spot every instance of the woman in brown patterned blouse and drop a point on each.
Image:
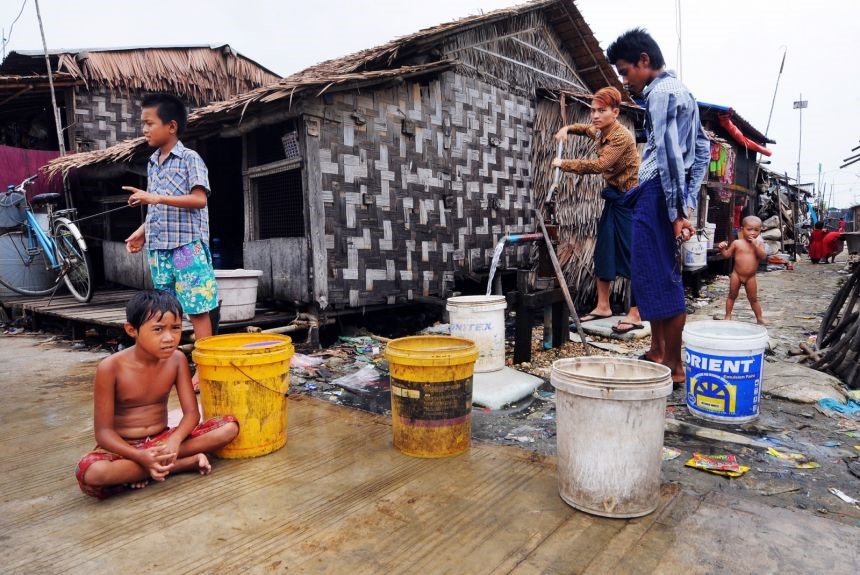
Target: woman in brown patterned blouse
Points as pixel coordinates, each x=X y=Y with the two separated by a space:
x=618 y=162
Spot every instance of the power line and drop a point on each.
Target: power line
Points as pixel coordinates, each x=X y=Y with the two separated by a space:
x=7 y=40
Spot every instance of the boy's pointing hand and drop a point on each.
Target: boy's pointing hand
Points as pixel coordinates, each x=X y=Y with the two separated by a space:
x=140 y=197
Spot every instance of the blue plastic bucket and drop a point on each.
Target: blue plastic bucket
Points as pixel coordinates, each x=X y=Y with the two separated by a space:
x=724 y=369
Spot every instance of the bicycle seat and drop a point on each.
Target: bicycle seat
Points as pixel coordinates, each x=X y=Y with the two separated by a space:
x=50 y=198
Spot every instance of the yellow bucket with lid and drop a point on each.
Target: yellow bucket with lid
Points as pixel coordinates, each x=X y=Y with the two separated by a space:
x=431 y=394
x=246 y=376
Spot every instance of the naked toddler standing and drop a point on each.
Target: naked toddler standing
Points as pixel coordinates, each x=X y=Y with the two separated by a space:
x=748 y=251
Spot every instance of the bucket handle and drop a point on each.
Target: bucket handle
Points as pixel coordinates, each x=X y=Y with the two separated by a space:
x=242 y=371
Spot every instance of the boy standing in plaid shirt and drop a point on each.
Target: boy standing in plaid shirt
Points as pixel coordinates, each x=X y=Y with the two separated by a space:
x=176 y=230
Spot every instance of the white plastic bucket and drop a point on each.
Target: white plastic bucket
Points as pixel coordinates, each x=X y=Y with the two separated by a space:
x=237 y=290
x=710 y=231
x=610 y=416
x=481 y=318
x=695 y=252
x=724 y=369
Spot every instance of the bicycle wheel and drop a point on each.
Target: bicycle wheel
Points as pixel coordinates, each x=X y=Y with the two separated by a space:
x=75 y=260
x=23 y=268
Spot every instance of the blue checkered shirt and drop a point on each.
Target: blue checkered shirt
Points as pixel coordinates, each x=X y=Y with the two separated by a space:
x=678 y=150
x=168 y=227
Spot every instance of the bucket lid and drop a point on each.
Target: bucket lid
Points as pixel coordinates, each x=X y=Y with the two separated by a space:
x=431 y=350
x=725 y=335
x=243 y=349
x=238 y=273
x=618 y=378
x=476 y=303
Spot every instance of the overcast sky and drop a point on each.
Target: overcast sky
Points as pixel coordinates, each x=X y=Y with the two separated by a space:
x=731 y=50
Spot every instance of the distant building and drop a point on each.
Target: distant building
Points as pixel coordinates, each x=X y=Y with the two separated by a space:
x=98 y=90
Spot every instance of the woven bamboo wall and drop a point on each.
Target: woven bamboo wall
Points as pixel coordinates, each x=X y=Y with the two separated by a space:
x=578 y=200
x=104 y=118
x=405 y=211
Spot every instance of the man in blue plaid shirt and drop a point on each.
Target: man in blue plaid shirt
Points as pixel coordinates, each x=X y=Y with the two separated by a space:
x=176 y=230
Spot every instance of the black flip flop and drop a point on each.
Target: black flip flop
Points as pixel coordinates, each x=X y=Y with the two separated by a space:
x=593 y=317
x=621 y=330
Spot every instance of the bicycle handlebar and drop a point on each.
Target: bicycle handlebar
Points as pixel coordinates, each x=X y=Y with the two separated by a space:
x=20 y=187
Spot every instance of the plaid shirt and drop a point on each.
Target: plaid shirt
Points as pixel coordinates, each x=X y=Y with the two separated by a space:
x=168 y=227
x=617 y=157
x=678 y=150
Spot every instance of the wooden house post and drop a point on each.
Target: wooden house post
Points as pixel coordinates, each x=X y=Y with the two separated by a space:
x=310 y=137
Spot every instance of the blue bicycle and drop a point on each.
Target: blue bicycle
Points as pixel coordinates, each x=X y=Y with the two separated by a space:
x=34 y=260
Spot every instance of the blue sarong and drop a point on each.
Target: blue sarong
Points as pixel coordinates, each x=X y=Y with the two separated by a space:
x=612 y=252
x=655 y=270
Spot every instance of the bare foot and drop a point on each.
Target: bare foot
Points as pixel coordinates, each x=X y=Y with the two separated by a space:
x=727 y=318
x=139 y=484
x=203 y=464
x=763 y=322
x=679 y=378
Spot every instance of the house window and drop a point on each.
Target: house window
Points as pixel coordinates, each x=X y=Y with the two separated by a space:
x=280 y=206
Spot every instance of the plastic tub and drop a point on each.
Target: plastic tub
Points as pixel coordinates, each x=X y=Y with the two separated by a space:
x=237 y=291
x=724 y=369
x=610 y=415
x=247 y=376
x=481 y=319
x=431 y=394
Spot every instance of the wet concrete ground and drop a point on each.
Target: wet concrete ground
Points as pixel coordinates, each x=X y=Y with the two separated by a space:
x=339 y=499
x=773 y=518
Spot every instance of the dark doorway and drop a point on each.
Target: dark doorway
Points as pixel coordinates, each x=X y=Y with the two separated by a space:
x=226 y=204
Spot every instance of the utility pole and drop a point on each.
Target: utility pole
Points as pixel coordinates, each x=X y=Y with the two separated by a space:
x=57 y=119
x=800 y=105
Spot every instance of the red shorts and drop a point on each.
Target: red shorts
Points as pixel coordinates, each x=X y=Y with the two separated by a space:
x=99 y=454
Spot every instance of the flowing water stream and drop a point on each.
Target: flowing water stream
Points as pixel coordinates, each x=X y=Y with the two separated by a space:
x=497 y=255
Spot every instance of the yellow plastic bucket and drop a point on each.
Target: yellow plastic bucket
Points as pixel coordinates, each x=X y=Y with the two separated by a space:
x=431 y=394
x=247 y=376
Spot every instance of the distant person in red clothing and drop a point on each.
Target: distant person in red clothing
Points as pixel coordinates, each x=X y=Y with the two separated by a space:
x=825 y=245
x=816 y=242
x=833 y=246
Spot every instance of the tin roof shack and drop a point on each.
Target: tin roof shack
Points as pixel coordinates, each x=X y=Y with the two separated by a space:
x=377 y=177
x=791 y=230
x=729 y=193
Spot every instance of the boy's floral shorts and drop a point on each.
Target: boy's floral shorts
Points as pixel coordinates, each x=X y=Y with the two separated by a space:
x=187 y=273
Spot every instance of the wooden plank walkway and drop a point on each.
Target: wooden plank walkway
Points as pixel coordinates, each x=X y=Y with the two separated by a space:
x=107 y=309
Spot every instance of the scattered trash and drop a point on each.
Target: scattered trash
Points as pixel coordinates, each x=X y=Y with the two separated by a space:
x=683 y=428
x=850 y=409
x=438 y=329
x=358 y=381
x=670 y=453
x=831 y=443
x=846 y=498
x=722 y=464
x=798 y=460
x=524 y=434
x=853 y=468
x=305 y=361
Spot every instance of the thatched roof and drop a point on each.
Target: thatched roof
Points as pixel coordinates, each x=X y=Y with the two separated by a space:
x=201 y=74
x=201 y=119
x=406 y=56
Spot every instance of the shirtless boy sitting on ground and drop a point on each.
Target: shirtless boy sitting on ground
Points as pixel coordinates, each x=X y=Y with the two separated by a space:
x=130 y=393
x=748 y=251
